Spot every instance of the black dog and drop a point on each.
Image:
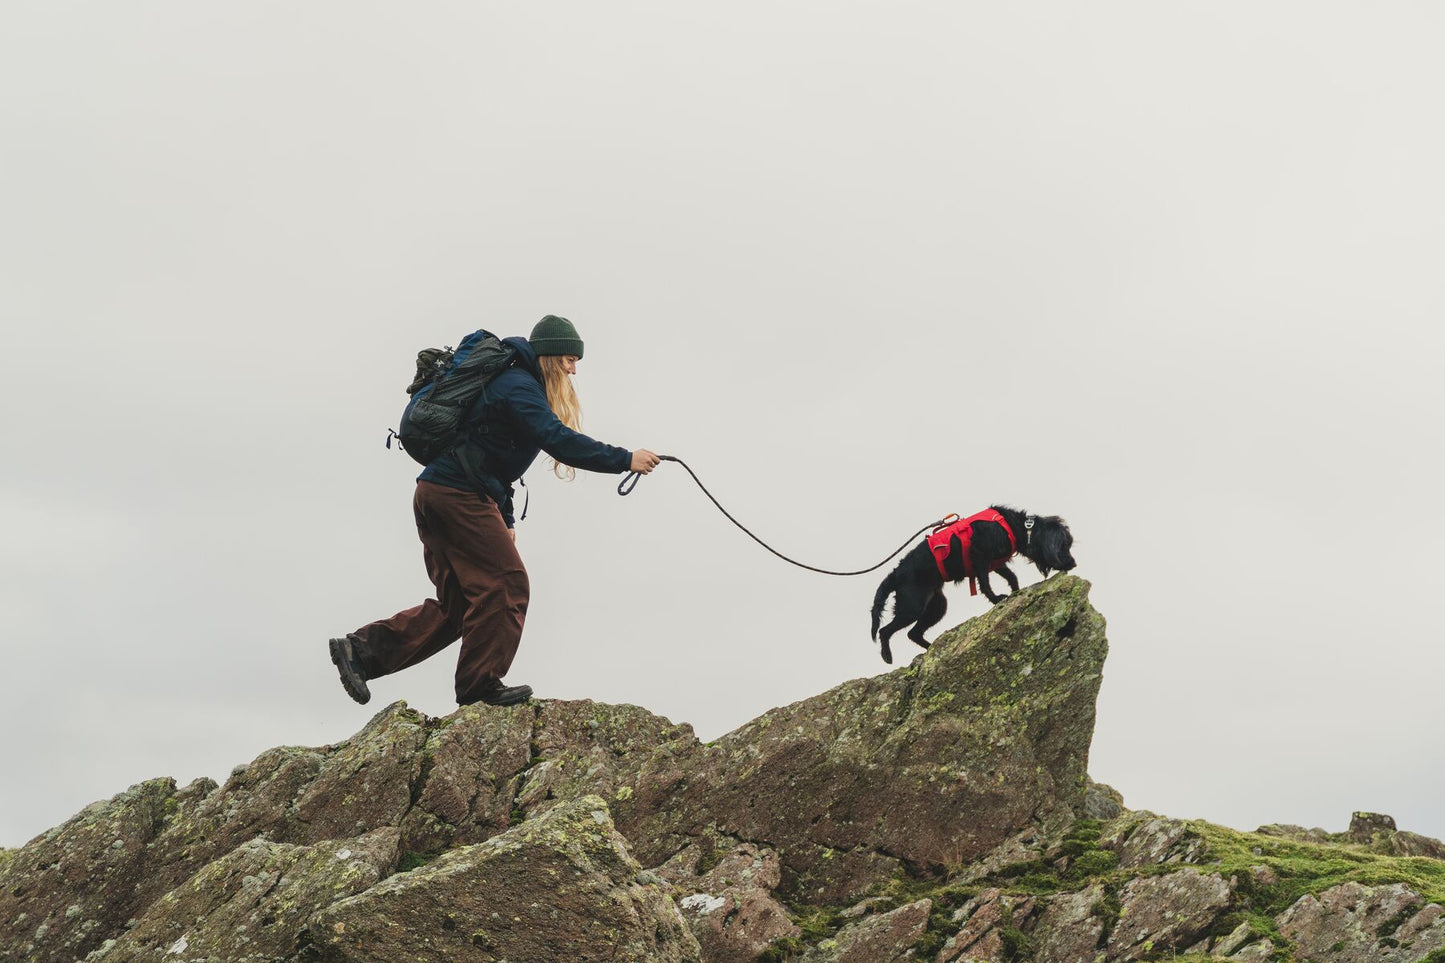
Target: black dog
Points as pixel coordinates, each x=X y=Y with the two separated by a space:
x=975 y=546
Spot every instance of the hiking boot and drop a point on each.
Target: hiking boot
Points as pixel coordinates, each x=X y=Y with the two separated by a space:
x=502 y=695
x=353 y=680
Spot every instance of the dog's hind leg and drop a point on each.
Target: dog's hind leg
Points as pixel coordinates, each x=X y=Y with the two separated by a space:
x=886 y=633
x=934 y=611
x=908 y=606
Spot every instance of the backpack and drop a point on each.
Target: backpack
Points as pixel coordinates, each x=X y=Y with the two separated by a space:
x=446 y=384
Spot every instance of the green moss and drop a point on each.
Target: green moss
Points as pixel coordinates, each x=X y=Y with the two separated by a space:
x=1261 y=926
x=1309 y=868
x=1108 y=909
x=1095 y=863
x=411 y=861
x=820 y=922
x=1017 y=946
x=1086 y=862
x=780 y=950
x=1294 y=869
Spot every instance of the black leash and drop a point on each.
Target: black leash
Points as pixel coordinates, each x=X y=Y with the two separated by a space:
x=630 y=482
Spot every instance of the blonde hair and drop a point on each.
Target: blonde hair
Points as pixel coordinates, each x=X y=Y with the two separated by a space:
x=562 y=399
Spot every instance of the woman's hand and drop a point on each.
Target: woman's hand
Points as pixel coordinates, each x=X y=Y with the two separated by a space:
x=644 y=461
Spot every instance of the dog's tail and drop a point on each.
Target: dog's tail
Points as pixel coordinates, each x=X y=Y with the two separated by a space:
x=885 y=589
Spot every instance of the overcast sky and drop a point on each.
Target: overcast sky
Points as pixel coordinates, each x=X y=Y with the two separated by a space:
x=1170 y=270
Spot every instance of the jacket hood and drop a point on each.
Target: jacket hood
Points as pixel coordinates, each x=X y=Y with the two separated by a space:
x=526 y=355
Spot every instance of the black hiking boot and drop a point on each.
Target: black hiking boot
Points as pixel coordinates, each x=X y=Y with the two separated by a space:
x=353 y=680
x=497 y=694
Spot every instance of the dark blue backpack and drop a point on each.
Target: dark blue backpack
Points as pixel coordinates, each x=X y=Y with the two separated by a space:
x=447 y=382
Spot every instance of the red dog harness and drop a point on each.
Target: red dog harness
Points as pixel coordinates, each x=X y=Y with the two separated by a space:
x=963 y=531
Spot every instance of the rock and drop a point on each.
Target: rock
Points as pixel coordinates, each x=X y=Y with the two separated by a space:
x=364 y=784
x=1068 y=929
x=1377 y=831
x=1412 y=844
x=1289 y=831
x=1236 y=938
x=737 y=926
x=586 y=747
x=252 y=905
x=1148 y=840
x=560 y=886
x=1352 y=923
x=1263 y=875
x=885 y=938
x=469 y=777
x=994 y=721
x=1365 y=826
x=991 y=928
x=78 y=864
x=1167 y=913
x=1102 y=802
x=730 y=905
x=1260 y=952
x=444 y=782
x=1025 y=847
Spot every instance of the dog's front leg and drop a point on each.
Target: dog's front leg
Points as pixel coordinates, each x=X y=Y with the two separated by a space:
x=1009 y=577
x=988 y=591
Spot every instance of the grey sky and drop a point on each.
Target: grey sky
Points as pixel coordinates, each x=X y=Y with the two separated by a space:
x=1170 y=270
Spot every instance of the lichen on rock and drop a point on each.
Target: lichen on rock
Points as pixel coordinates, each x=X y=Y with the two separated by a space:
x=561 y=886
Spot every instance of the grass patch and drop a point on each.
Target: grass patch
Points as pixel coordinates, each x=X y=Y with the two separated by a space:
x=1082 y=858
x=941 y=924
x=1306 y=868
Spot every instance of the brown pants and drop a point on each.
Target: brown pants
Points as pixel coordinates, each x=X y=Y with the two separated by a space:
x=482 y=593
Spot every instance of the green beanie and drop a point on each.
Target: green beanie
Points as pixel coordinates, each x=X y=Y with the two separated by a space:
x=554 y=335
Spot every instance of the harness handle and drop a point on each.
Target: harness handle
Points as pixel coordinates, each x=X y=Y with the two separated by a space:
x=630 y=482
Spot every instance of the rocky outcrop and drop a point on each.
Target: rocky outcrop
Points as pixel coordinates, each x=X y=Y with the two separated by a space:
x=253 y=904
x=867 y=780
x=946 y=805
x=1167 y=913
x=1071 y=926
x=562 y=886
x=1374 y=831
x=729 y=901
x=1365 y=924
x=990 y=928
x=1148 y=840
x=882 y=938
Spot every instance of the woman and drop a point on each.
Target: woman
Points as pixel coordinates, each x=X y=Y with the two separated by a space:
x=463 y=508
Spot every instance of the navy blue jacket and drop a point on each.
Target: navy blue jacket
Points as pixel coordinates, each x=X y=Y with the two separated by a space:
x=510 y=424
